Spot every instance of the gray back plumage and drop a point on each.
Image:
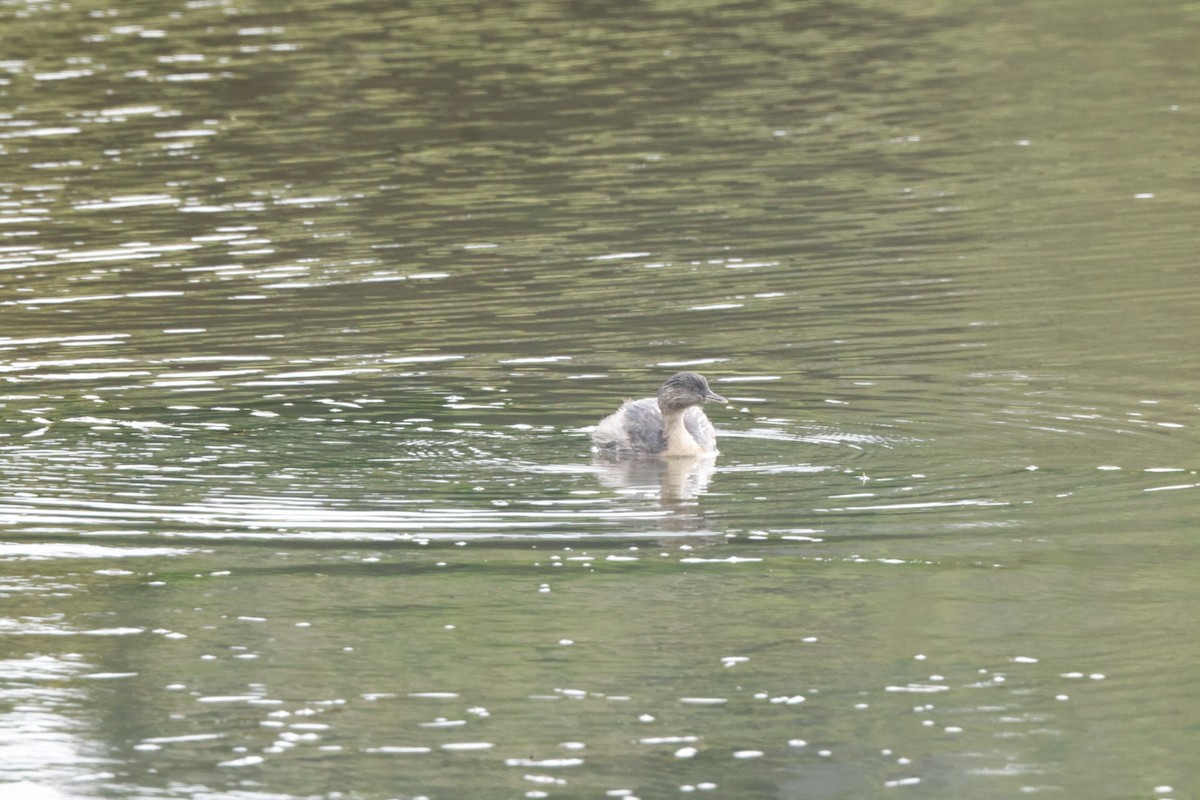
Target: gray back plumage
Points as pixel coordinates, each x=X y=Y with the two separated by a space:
x=636 y=427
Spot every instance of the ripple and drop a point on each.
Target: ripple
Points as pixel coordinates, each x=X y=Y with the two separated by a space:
x=245 y=519
x=48 y=551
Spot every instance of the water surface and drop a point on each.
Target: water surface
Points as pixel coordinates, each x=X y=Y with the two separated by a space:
x=307 y=311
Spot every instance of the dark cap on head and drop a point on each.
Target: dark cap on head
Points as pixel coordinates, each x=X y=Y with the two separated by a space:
x=685 y=389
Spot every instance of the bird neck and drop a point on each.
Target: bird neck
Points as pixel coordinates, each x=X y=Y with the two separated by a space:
x=680 y=441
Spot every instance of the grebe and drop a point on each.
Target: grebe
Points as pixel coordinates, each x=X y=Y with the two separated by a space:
x=671 y=424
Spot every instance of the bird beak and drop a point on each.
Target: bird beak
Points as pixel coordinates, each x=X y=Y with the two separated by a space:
x=713 y=397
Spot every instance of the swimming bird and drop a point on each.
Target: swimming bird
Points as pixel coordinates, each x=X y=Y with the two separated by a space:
x=671 y=424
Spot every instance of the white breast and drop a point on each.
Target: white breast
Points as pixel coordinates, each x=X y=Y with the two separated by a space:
x=680 y=441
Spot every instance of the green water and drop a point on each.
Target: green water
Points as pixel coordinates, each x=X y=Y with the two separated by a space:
x=305 y=312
